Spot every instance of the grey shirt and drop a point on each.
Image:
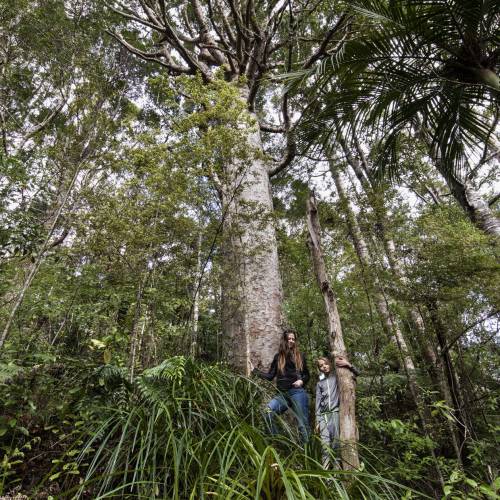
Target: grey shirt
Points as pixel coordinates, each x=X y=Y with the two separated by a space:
x=327 y=394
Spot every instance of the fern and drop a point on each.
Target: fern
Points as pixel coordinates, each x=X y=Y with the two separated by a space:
x=196 y=431
x=172 y=369
x=8 y=371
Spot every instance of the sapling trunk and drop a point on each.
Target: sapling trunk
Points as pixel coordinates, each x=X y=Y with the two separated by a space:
x=196 y=300
x=347 y=384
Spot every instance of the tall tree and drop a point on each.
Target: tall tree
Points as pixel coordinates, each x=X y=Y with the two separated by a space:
x=427 y=69
x=243 y=43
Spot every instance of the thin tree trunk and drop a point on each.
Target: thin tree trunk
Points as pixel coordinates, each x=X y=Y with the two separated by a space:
x=137 y=344
x=433 y=361
x=196 y=301
x=38 y=261
x=252 y=314
x=136 y=337
x=389 y=325
x=447 y=367
x=347 y=384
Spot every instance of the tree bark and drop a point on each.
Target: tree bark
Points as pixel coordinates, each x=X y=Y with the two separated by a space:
x=347 y=384
x=196 y=301
x=389 y=325
x=252 y=293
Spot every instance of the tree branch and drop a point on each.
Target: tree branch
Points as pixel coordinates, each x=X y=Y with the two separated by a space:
x=157 y=56
x=45 y=122
x=231 y=57
x=151 y=13
x=493 y=200
x=272 y=129
x=136 y=18
x=321 y=51
x=449 y=345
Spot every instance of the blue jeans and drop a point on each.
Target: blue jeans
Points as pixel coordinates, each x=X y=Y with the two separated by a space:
x=298 y=401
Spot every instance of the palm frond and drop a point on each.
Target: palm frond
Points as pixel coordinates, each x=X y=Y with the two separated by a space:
x=411 y=60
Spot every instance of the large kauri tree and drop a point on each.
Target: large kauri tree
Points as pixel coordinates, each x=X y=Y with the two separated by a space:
x=243 y=43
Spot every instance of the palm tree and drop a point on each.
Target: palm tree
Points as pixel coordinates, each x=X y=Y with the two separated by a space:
x=423 y=67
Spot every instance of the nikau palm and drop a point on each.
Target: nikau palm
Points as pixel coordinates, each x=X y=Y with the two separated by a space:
x=422 y=67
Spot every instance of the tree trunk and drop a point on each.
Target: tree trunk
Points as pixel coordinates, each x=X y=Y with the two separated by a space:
x=347 y=384
x=196 y=301
x=448 y=371
x=474 y=206
x=135 y=337
x=33 y=270
x=252 y=294
x=389 y=325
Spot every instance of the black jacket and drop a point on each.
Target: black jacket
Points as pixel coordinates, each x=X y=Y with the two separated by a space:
x=290 y=374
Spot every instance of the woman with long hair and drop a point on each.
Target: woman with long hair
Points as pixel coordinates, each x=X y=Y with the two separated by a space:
x=290 y=370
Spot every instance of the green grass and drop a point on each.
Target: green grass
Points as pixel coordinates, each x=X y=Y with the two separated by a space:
x=188 y=431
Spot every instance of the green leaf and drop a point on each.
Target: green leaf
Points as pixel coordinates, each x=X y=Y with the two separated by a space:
x=107 y=356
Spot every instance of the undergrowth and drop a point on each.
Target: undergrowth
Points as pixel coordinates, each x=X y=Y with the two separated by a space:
x=182 y=430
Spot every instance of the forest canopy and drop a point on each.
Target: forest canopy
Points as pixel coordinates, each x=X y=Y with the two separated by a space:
x=182 y=182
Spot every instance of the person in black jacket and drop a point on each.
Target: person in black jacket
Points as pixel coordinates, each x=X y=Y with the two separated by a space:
x=290 y=370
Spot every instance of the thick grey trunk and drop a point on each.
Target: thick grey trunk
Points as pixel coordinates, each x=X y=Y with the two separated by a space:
x=347 y=384
x=252 y=293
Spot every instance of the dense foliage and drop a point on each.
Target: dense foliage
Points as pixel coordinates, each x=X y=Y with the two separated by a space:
x=114 y=374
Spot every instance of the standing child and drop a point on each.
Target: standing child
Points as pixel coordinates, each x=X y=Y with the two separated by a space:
x=327 y=405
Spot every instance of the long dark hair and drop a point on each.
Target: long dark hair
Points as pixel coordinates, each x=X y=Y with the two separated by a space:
x=285 y=352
